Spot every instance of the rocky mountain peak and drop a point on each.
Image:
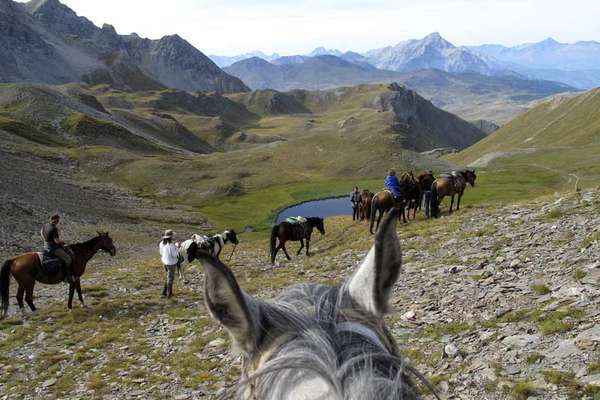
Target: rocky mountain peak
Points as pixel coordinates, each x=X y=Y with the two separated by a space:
x=35 y=6
x=436 y=40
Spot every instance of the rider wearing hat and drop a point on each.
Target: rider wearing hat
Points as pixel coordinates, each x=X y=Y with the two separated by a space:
x=56 y=247
x=169 y=255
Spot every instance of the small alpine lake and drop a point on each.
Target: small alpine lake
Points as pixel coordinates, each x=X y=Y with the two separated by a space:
x=328 y=207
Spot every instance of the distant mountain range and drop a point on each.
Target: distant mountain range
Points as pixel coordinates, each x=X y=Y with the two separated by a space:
x=471 y=95
x=576 y=64
x=45 y=41
x=226 y=61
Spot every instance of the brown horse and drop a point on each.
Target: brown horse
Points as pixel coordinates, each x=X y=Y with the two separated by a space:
x=286 y=231
x=411 y=192
x=450 y=185
x=364 y=207
x=26 y=269
x=382 y=202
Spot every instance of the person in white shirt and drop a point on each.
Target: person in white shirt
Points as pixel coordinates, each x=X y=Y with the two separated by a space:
x=169 y=256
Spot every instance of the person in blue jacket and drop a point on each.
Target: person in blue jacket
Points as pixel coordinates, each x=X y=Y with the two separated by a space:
x=392 y=184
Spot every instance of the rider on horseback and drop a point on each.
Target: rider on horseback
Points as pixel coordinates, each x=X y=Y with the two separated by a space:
x=392 y=184
x=56 y=247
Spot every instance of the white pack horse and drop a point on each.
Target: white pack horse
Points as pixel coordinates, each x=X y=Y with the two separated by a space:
x=212 y=245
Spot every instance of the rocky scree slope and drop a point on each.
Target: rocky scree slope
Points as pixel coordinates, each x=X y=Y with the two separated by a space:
x=493 y=303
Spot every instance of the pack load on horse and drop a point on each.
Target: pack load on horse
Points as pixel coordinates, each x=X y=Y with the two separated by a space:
x=450 y=184
x=364 y=207
x=27 y=269
x=294 y=229
x=213 y=245
x=314 y=341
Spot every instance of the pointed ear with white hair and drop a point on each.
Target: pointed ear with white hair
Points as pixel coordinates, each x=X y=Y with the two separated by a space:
x=237 y=311
x=371 y=285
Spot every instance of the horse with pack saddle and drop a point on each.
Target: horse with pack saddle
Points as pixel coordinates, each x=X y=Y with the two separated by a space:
x=190 y=249
x=294 y=229
x=450 y=184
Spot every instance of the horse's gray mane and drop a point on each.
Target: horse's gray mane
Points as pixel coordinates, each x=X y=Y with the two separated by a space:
x=327 y=340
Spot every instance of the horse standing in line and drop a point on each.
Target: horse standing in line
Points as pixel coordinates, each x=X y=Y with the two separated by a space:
x=364 y=207
x=384 y=201
x=411 y=192
x=188 y=250
x=314 y=341
x=451 y=184
x=286 y=231
x=26 y=269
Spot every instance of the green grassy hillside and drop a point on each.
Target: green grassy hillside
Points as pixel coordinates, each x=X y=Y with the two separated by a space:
x=211 y=153
x=560 y=137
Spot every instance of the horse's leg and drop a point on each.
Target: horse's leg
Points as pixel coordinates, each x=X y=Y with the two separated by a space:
x=78 y=288
x=458 y=203
x=451 y=202
x=29 y=296
x=285 y=251
x=71 y=293
x=307 y=247
x=275 y=252
x=20 y=293
x=301 y=247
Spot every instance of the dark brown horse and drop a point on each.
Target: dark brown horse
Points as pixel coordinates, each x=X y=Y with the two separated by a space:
x=286 y=231
x=451 y=184
x=364 y=207
x=26 y=269
x=411 y=193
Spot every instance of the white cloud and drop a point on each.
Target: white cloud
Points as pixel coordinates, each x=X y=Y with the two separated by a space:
x=289 y=27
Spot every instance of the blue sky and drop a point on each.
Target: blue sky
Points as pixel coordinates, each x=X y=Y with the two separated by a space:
x=292 y=27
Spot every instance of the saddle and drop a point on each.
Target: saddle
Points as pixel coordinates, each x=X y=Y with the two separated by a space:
x=295 y=220
x=207 y=243
x=49 y=264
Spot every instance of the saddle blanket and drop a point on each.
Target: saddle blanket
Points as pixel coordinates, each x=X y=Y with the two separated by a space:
x=49 y=264
x=296 y=220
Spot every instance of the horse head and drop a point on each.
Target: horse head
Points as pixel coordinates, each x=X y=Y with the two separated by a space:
x=318 y=223
x=106 y=244
x=231 y=236
x=470 y=176
x=316 y=341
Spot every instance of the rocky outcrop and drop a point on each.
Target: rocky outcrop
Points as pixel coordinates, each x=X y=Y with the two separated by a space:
x=422 y=126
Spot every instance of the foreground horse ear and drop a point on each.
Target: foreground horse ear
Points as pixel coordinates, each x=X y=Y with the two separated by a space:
x=230 y=305
x=371 y=285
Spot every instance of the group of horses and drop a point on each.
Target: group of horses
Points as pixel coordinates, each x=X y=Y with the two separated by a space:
x=372 y=206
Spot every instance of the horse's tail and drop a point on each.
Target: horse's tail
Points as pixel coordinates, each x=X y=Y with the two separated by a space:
x=373 y=212
x=434 y=203
x=274 y=232
x=4 y=285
